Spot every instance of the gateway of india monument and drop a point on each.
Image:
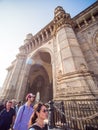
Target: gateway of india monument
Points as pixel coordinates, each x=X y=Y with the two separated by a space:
x=60 y=62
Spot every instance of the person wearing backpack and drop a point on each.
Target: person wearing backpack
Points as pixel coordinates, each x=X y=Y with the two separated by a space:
x=37 y=120
x=24 y=113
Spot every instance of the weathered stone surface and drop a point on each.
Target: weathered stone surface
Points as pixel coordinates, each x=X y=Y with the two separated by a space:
x=60 y=62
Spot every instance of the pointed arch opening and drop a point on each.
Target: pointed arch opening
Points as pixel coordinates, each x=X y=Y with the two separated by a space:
x=40 y=77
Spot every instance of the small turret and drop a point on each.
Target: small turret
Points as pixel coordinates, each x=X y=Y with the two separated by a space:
x=61 y=17
x=59 y=10
x=28 y=37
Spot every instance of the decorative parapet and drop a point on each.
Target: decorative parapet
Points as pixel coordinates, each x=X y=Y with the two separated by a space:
x=86 y=17
x=32 y=42
x=61 y=19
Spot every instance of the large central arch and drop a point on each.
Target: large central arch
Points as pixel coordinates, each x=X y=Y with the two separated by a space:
x=40 y=77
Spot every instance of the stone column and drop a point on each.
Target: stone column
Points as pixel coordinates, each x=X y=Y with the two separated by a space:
x=71 y=54
x=5 y=85
x=14 y=78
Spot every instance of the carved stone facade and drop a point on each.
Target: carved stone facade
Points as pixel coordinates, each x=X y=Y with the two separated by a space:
x=60 y=62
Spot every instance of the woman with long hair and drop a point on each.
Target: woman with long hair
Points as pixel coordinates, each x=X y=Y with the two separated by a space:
x=38 y=117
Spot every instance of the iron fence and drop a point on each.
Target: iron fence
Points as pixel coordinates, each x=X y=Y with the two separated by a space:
x=74 y=114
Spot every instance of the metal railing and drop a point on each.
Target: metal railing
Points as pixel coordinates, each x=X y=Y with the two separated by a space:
x=74 y=114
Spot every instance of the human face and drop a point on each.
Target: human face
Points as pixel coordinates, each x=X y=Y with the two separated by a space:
x=31 y=98
x=43 y=114
x=8 y=105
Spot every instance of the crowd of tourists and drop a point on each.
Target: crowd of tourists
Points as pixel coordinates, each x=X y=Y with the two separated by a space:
x=23 y=116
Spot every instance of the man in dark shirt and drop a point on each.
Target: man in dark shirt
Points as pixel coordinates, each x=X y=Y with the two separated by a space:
x=7 y=116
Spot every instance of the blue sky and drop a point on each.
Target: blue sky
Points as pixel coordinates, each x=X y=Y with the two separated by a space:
x=20 y=17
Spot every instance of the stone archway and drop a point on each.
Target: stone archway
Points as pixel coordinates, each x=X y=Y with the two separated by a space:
x=40 y=77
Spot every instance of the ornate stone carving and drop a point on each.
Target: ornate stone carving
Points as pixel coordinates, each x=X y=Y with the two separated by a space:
x=83 y=67
x=61 y=17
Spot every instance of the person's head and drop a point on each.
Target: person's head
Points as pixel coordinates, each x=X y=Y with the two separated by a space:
x=14 y=102
x=30 y=97
x=19 y=104
x=40 y=112
x=8 y=105
x=5 y=101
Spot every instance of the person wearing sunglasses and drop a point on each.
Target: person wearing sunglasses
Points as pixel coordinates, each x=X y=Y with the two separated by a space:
x=24 y=113
x=37 y=120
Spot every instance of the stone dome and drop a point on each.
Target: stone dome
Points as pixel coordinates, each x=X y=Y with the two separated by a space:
x=29 y=36
x=58 y=10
